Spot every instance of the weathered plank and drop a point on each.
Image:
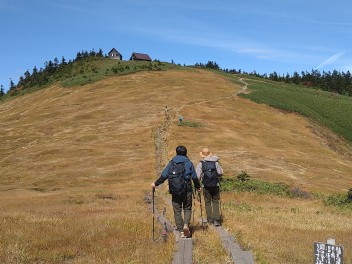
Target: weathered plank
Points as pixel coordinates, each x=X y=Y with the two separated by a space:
x=238 y=255
x=184 y=246
x=183 y=254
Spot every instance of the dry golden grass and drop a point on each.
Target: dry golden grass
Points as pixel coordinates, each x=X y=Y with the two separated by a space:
x=208 y=249
x=80 y=226
x=283 y=230
x=76 y=162
x=207 y=246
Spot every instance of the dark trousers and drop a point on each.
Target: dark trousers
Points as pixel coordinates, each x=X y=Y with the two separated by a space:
x=211 y=200
x=180 y=202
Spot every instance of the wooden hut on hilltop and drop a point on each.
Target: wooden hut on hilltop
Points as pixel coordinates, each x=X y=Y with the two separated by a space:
x=114 y=54
x=140 y=57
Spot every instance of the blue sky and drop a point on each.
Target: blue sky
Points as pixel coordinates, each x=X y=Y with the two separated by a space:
x=258 y=35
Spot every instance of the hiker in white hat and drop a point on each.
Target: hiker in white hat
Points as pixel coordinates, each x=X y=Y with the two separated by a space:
x=209 y=172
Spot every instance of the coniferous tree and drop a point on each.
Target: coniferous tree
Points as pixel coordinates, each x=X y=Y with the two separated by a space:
x=273 y=76
x=92 y=53
x=212 y=65
x=12 y=85
x=78 y=56
x=100 y=53
x=27 y=78
x=56 y=63
x=49 y=67
x=35 y=76
x=287 y=78
x=296 y=78
x=85 y=54
x=21 y=81
x=2 y=93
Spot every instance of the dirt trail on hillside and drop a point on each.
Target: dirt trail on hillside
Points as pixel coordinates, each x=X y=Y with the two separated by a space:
x=161 y=132
x=160 y=139
x=184 y=247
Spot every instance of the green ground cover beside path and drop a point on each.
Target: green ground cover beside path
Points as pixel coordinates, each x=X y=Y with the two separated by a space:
x=329 y=109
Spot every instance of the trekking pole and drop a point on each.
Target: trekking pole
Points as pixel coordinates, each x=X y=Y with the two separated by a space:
x=201 y=210
x=165 y=232
x=153 y=210
x=194 y=204
x=220 y=203
x=165 y=226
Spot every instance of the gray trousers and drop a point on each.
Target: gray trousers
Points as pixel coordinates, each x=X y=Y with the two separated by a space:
x=180 y=202
x=211 y=200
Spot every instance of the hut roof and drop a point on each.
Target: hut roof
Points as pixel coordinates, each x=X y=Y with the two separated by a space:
x=141 y=56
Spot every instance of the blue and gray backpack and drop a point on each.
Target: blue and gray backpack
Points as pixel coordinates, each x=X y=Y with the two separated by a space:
x=210 y=177
x=176 y=178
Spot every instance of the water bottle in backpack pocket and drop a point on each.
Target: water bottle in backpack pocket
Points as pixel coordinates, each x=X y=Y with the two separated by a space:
x=176 y=178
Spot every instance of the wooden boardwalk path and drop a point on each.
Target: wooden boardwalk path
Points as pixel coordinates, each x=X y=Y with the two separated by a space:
x=184 y=246
x=184 y=252
x=238 y=255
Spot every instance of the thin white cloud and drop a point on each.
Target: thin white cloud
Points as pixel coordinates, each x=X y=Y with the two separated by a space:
x=231 y=44
x=259 y=53
x=243 y=46
x=331 y=59
x=331 y=23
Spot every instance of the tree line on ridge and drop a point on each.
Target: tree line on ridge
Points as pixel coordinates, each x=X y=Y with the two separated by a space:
x=43 y=76
x=335 y=81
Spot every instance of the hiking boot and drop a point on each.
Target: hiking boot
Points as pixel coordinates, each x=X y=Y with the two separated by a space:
x=186 y=231
x=182 y=235
x=210 y=222
x=216 y=223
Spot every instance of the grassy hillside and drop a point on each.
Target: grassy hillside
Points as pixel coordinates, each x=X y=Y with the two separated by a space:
x=329 y=109
x=80 y=72
x=76 y=163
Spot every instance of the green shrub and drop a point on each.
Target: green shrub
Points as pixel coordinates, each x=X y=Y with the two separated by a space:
x=243 y=176
x=343 y=201
x=338 y=200
x=257 y=186
x=189 y=124
x=243 y=183
x=349 y=194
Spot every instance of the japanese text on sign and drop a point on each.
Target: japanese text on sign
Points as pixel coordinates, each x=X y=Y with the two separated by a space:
x=327 y=254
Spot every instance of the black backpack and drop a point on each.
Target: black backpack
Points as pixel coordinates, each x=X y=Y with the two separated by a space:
x=176 y=178
x=210 y=177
